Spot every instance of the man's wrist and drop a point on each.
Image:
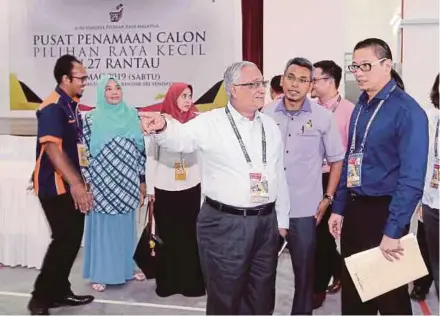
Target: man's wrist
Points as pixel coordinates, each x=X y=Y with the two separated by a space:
x=329 y=198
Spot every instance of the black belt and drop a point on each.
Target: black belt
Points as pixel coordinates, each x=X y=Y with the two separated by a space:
x=354 y=196
x=264 y=209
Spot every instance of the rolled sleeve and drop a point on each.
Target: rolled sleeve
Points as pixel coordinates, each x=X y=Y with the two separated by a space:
x=342 y=194
x=50 y=124
x=413 y=137
x=331 y=137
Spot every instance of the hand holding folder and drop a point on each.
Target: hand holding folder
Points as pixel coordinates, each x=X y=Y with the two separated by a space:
x=374 y=275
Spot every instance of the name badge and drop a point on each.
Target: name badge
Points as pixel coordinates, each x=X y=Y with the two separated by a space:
x=259 y=188
x=179 y=171
x=435 y=175
x=354 y=170
x=82 y=156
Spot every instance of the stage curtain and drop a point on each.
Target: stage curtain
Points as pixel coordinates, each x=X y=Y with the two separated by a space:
x=252 y=14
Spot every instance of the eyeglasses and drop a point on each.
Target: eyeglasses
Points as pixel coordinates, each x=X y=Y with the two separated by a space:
x=295 y=79
x=365 y=66
x=323 y=78
x=253 y=85
x=83 y=79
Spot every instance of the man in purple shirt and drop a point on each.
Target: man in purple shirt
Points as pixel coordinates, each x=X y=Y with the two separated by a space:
x=310 y=134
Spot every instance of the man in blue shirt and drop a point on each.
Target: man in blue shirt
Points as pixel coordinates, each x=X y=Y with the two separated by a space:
x=60 y=187
x=383 y=173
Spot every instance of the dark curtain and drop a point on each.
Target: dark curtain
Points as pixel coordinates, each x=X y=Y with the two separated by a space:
x=252 y=14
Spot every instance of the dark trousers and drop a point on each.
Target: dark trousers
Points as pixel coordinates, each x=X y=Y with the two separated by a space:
x=430 y=220
x=424 y=283
x=328 y=262
x=67 y=225
x=178 y=271
x=302 y=248
x=364 y=221
x=238 y=255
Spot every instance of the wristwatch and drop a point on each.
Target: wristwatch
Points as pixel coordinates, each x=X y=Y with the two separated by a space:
x=329 y=198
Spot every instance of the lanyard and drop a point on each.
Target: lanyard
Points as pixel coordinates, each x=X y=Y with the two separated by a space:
x=335 y=106
x=75 y=115
x=240 y=140
x=367 y=129
x=436 y=139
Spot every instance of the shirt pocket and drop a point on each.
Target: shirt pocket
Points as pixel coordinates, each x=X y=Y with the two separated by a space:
x=308 y=142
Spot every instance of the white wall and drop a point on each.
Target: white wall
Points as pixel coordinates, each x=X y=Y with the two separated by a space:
x=371 y=18
x=301 y=29
x=323 y=29
x=420 y=48
x=4 y=55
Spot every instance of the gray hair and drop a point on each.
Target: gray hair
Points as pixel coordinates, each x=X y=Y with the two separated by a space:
x=232 y=74
x=302 y=62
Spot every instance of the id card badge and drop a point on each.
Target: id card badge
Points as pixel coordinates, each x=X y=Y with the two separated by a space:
x=435 y=174
x=354 y=170
x=82 y=156
x=179 y=171
x=259 y=187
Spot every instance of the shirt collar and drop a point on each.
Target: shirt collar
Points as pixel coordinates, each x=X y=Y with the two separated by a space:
x=66 y=97
x=382 y=95
x=306 y=107
x=330 y=102
x=238 y=117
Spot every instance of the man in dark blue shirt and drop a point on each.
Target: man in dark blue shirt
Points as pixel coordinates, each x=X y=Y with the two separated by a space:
x=60 y=187
x=383 y=173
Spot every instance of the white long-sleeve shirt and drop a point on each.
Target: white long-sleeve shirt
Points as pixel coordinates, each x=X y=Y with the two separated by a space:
x=161 y=169
x=225 y=172
x=431 y=195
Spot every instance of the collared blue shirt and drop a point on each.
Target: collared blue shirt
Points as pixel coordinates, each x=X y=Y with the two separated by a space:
x=56 y=124
x=395 y=155
x=310 y=135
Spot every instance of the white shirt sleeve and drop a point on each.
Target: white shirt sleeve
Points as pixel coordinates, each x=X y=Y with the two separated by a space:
x=183 y=138
x=151 y=167
x=282 y=203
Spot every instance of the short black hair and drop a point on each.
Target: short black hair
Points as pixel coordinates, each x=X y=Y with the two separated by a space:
x=434 y=92
x=64 y=66
x=330 y=68
x=302 y=62
x=275 y=84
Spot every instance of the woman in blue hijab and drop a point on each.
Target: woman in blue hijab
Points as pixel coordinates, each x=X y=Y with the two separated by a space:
x=116 y=176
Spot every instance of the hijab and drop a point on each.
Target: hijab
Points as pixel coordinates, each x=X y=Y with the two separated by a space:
x=111 y=120
x=169 y=105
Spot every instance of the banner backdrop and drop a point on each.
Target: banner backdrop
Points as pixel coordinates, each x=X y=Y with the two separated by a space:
x=146 y=44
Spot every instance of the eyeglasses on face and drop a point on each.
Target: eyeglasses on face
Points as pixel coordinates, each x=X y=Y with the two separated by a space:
x=323 y=78
x=253 y=85
x=293 y=78
x=365 y=67
x=82 y=79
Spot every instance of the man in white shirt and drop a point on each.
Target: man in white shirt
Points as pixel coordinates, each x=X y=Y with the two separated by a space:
x=247 y=204
x=430 y=199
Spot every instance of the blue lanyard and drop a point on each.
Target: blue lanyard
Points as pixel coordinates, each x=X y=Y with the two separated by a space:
x=367 y=129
